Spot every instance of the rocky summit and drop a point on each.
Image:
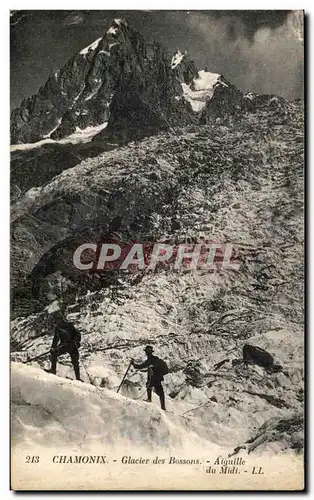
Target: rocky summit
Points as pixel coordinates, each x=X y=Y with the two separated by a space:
x=117 y=79
x=129 y=141
x=131 y=87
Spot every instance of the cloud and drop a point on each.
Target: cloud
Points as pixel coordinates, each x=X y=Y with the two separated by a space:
x=74 y=19
x=270 y=62
x=296 y=21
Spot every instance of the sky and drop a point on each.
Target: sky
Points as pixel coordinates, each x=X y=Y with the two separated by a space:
x=258 y=51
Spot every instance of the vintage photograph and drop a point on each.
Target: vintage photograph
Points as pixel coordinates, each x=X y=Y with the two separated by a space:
x=157 y=250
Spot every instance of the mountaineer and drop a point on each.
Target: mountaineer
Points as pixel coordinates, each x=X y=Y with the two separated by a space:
x=156 y=369
x=66 y=339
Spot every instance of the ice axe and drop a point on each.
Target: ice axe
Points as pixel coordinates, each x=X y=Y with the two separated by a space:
x=130 y=364
x=37 y=357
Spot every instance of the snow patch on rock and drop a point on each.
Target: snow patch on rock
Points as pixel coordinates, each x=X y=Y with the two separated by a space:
x=52 y=130
x=112 y=31
x=80 y=135
x=205 y=80
x=92 y=46
x=84 y=135
x=91 y=95
x=200 y=89
x=249 y=95
x=177 y=59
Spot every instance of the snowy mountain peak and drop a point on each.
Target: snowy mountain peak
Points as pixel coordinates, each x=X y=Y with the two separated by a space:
x=119 y=79
x=117 y=27
x=121 y=22
x=201 y=89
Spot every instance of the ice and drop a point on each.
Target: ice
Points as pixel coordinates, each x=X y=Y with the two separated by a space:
x=197 y=99
x=31 y=145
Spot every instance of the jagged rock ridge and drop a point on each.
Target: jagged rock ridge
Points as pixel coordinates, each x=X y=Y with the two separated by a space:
x=80 y=93
x=134 y=86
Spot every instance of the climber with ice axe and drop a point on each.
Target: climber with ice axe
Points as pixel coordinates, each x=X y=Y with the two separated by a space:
x=156 y=369
x=123 y=379
x=67 y=339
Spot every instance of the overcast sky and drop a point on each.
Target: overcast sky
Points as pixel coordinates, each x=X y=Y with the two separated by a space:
x=260 y=51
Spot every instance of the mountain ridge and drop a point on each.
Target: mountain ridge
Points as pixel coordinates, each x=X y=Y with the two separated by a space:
x=135 y=87
x=80 y=93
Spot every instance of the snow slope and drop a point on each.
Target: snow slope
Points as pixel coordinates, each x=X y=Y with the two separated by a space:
x=55 y=419
x=52 y=411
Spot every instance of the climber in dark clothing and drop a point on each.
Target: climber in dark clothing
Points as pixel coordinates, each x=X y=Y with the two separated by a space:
x=154 y=375
x=66 y=340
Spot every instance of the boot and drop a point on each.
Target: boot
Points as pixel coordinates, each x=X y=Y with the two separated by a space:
x=77 y=372
x=162 y=400
x=149 y=395
x=53 y=368
x=49 y=371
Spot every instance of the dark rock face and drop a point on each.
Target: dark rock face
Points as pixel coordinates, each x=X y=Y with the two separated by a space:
x=226 y=100
x=40 y=114
x=33 y=167
x=257 y=355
